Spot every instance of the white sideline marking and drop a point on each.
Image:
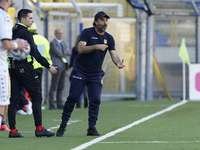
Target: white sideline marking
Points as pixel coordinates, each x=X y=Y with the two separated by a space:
x=147 y=105
x=51 y=128
x=70 y=122
x=26 y=131
x=143 y=142
x=57 y=120
x=85 y=145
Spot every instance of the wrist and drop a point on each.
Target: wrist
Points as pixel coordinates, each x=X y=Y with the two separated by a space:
x=50 y=66
x=15 y=45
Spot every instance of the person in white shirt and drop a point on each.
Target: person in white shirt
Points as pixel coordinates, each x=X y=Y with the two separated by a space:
x=6 y=43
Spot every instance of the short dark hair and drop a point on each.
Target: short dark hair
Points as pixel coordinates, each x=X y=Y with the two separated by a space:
x=23 y=13
x=94 y=24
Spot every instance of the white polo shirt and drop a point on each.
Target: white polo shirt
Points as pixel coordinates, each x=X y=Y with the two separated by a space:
x=5 y=34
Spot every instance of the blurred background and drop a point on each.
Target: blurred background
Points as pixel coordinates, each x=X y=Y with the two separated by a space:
x=147 y=33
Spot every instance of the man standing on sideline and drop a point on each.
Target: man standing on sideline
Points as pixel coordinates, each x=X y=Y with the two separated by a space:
x=59 y=53
x=23 y=75
x=43 y=47
x=70 y=74
x=93 y=45
x=6 y=43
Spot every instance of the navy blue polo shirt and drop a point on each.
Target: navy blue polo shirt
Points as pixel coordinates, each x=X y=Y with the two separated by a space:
x=92 y=62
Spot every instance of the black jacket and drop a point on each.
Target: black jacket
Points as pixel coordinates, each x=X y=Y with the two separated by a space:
x=20 y=31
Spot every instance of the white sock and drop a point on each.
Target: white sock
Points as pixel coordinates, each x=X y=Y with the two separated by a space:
x=1 y=119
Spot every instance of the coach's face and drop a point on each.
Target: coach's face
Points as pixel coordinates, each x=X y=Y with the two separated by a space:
x=102 y=24
x=28 y=21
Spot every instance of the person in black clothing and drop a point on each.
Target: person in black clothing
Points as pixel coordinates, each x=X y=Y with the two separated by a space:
x=94 y=43
x=22 y=74
x=70 y=73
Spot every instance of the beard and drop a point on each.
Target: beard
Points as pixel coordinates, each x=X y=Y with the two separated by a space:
x=101 y=28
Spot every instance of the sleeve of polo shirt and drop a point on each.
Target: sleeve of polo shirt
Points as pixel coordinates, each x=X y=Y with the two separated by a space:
x=5 y=27
x=84 y=36
x=111 y=44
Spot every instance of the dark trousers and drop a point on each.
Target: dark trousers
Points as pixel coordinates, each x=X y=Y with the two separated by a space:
x=57 y=86
x=39 y=72
x=84 y=95
x=94 y=87
x=22 y=75
x=23 y=101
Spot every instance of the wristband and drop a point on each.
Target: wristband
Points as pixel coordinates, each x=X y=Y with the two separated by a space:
x=15 y=44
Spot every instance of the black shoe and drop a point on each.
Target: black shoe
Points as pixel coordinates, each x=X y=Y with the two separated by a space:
x=17 y=135
x=52 y=107
x=44 y=132
x=85 y=102
x=61 y=130
x=60 y=107
x=92 y=132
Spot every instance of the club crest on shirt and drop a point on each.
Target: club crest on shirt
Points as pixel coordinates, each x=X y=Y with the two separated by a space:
x=105 y=41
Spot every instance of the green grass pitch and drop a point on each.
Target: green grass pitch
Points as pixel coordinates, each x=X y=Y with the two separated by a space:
x=178 y=129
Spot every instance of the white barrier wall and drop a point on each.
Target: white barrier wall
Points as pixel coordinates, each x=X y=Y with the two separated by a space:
x=194 y=82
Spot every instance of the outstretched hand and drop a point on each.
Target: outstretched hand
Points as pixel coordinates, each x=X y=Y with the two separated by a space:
x=120 y=64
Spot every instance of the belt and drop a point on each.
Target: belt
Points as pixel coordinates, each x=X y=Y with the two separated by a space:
x=14 y=61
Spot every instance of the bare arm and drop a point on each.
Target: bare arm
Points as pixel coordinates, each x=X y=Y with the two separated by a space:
x=82 y=48
x=7 y=44
x=116 y=60
x=14 y=44
x=69 y=72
